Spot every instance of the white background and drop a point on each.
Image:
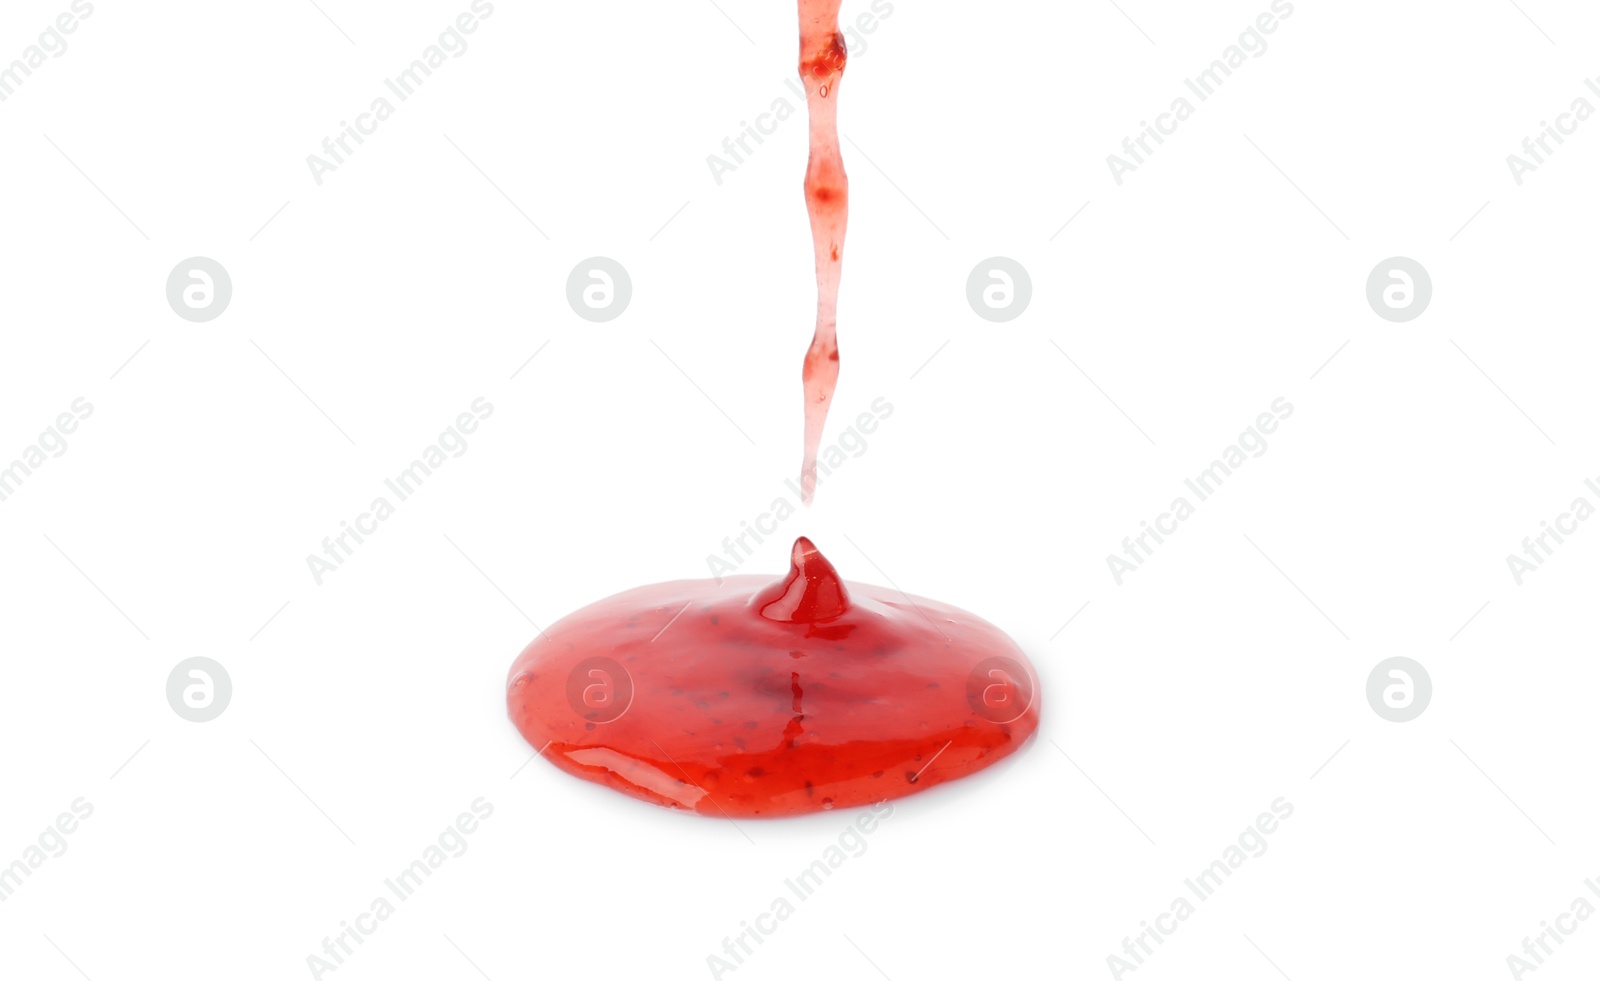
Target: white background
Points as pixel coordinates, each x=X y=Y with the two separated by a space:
x=369 y=711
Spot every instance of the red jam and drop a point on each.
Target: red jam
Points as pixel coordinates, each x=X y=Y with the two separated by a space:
x=751 y=698
x=762 y=699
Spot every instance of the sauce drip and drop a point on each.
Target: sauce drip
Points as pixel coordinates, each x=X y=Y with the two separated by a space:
x=763 y=699
x=822 y=58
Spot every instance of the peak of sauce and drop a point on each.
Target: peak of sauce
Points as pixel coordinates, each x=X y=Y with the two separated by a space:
x=811 y=592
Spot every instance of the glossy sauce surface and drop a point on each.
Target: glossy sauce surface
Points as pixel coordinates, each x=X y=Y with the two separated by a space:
x=761 y=698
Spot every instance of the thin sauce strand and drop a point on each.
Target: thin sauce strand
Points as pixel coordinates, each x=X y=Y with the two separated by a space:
x=822 y=59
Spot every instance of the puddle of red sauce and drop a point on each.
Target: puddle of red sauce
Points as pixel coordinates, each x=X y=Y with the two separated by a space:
x=822 y=58
x=759 y=698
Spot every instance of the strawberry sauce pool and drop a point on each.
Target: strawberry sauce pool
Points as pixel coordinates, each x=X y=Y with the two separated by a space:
x=762 y=698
